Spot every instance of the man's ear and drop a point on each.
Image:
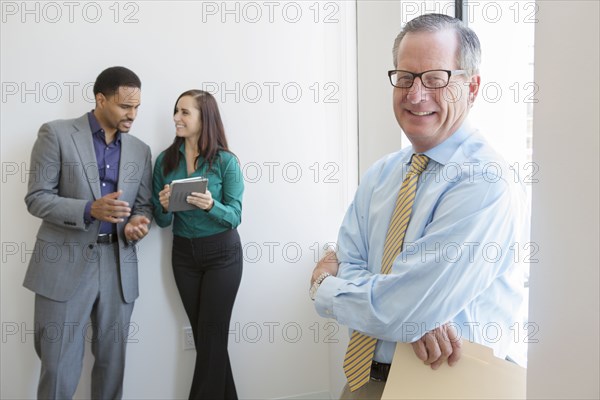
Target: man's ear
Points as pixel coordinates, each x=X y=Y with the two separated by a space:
x=100 y=100
x=474 y=88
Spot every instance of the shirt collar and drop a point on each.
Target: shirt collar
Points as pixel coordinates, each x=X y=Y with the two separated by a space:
x=443 y=152
x=97 y=130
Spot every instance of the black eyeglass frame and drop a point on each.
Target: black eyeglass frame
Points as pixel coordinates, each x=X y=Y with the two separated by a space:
x=420 y=74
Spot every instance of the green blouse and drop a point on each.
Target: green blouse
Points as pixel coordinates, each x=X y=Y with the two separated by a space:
x=226 y=185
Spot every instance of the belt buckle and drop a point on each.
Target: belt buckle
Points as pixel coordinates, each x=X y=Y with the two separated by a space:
x=106 y=238
x=379 y=371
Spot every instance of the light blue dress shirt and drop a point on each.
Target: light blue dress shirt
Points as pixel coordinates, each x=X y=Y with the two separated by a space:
x=460 y=261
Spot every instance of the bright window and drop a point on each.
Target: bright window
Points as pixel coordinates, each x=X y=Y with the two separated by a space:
x=504 y=110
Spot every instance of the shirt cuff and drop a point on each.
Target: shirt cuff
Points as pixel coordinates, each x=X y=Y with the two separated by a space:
x=329 y=288
x=218 y=211
x=87 y=213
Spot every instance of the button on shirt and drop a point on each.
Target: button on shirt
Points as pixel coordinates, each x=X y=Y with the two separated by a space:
x=108 y=157
x=458 y=263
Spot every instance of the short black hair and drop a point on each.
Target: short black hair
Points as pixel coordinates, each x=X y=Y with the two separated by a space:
x=111 y=79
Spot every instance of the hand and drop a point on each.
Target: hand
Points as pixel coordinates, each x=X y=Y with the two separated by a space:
x=329 y=263
x=110 y=209
x=439 y=345
x=201 y=200
x=163 y=197
x=136 y=228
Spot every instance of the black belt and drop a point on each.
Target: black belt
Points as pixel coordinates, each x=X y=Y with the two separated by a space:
x=379 y=371
x=107 y=238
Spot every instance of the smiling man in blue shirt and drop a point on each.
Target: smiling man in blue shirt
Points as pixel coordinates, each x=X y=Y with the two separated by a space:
x=455 y=275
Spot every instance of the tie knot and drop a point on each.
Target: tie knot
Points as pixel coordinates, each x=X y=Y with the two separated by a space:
x=418 y=163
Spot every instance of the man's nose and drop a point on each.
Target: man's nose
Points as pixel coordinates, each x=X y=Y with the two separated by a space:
x=417 y=92
x=132 y=113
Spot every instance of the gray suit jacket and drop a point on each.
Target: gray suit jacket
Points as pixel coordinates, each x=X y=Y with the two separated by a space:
x=63 y=178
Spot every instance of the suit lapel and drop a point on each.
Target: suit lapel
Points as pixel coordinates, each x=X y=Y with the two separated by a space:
x=128 y=166
x=82 y=138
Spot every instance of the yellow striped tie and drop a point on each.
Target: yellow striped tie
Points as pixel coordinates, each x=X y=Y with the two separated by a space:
x=357 y=363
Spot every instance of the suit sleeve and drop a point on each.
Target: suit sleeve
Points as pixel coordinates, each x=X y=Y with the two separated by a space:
x=161 y=217
x=43 y=198
x=143 y=200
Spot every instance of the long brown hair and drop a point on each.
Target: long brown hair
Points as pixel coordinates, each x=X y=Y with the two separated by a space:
x=212 y=134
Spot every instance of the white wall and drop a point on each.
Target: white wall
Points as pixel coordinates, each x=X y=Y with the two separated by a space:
x=298 y=152
x=564 y=300
x=378 y=23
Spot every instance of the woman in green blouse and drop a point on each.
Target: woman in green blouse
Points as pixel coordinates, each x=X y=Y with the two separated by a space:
x=207 y=252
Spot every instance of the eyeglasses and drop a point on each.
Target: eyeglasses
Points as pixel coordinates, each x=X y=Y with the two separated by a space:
x=432 y=79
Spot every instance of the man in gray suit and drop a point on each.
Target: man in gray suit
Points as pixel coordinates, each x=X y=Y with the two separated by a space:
x=91 y=186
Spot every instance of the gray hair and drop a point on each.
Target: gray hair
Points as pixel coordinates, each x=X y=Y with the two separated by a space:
x=469 y=51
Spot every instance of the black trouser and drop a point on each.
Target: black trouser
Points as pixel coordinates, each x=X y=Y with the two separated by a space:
x=207 y=273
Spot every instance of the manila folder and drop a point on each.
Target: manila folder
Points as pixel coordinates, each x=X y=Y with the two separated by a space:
x=477 y=375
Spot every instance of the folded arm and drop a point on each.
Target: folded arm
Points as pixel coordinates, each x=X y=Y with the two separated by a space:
x=435 y=277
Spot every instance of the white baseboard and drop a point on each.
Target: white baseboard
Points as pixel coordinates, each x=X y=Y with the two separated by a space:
x=308 y=396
